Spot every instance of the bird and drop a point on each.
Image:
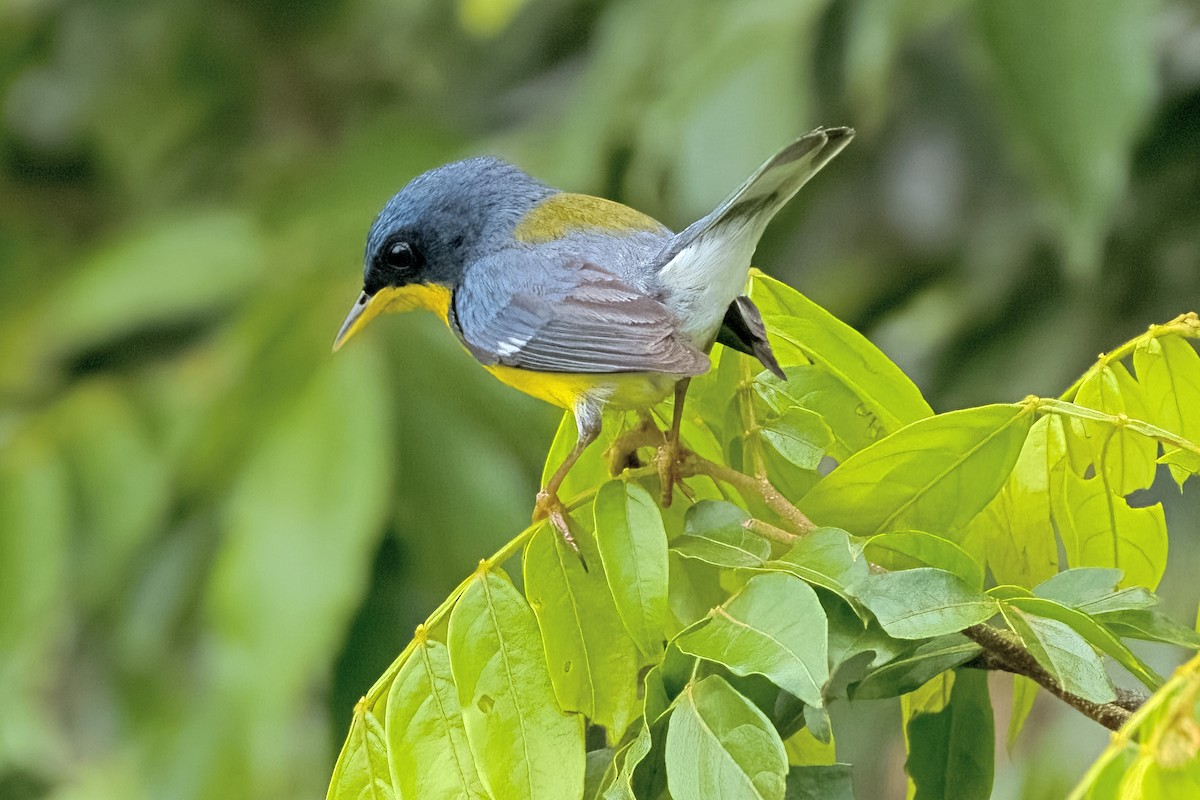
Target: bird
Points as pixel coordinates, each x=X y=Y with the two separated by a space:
x=580 y=301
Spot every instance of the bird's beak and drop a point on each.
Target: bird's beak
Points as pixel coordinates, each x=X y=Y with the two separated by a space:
x=365 y=309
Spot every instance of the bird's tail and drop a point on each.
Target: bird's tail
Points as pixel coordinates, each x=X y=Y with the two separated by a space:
x=705 y=266
x=778 y=180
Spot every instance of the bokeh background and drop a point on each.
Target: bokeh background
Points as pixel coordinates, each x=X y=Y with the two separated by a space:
x=214 y=535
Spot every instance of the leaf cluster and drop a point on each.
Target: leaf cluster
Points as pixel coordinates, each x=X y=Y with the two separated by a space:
x=841 y=542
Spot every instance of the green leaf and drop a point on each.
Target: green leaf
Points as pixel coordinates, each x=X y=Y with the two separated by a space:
x=1076 y=132
x=592 y=661
x=951 y=752
x=1099 y=529
x=825 y=557
x=824 y=782
x=799 y=435
x=633 y=548
x=713 y=533
x=1063 y=653
x=933 y=475
x=825 y=340
x=1024 y=693
x=1076 y=587
x=426 y=740
x=850 y=637
x=774 y=626
x=720 y=745
x=362 y=771
x=524 y=745
x=1127 y=458
x=901 y=550
x=1092 y=631
x=812 y=387
x=909 y=673
x=1015 y=529
x=923 y=603
x=1151 y=625
x=1169 y=369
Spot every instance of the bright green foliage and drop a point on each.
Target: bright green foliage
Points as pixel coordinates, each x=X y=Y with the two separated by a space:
x=524 y=744
x=720 y=745
x=633 y=547
x=773 y=626
x=697 y=653
x=933 y=475
x=426 y=738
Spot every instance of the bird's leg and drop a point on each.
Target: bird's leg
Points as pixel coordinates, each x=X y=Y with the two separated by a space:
x=667 y=459
x=548 y=506
x=622 y=453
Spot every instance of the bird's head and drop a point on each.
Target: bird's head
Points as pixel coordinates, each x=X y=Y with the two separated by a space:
x=431 y=230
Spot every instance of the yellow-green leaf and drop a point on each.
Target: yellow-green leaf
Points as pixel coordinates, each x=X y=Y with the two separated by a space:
x=633 y=548
x=1127 y=458
x=524 y=744
x=933 y=475
x=426 y=740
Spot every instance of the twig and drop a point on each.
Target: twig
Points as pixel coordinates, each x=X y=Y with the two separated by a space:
x=1002 y=651
x=795 y=519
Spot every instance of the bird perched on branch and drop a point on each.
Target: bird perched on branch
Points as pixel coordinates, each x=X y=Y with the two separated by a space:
x=582 y=302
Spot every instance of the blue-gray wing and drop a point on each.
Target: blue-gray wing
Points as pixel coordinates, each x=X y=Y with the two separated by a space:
x=527 y=312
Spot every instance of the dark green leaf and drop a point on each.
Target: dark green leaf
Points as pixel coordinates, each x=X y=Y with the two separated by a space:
x=907 y=549
x=1151 y=625
x=826 y=558
x=951 y=752
x=633 y=548
x=774 y=626
x=934 y=475
x=1063 y=653
x=1092 y=631
x=923 y=603
x=713 y=533
x=524 y=745
x=909 y=673
x=720 y=745
x=426 y=740
x=831 y=782
x=1081 y=585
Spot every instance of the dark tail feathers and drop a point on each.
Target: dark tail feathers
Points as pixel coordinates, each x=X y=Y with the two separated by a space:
x=744 y=331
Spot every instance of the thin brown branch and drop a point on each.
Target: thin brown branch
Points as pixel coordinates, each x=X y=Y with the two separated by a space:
x=794 y=518
x=1003 y=651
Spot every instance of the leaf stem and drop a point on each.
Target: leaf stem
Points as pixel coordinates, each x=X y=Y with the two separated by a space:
x=1069 y=409
x=795 y=519
x=1186 y=325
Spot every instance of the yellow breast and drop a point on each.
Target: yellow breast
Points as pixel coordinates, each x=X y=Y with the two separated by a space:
x=564 y=389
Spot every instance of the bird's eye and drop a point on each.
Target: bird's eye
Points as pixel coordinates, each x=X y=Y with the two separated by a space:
x=399 y=255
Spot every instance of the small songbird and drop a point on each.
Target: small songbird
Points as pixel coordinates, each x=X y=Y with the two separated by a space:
x=582 y=302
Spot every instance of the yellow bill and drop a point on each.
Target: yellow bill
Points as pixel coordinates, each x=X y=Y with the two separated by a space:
x=367 y=307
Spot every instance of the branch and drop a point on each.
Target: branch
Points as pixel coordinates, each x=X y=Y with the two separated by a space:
x=692 y=464
x=1002 y=651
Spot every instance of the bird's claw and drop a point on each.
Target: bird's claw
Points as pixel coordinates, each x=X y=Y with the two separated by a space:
x=549 y=507
x=668 y=459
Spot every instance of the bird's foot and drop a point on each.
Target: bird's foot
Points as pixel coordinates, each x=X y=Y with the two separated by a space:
x=622 y=453
x=549 y=507
x=668 y=459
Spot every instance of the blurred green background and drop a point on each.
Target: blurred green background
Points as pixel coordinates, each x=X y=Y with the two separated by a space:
x=214 y=535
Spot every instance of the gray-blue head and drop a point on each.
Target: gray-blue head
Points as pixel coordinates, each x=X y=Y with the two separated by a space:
x=432 y=229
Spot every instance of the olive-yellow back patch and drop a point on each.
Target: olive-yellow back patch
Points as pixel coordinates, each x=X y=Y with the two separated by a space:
x=565 y=213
